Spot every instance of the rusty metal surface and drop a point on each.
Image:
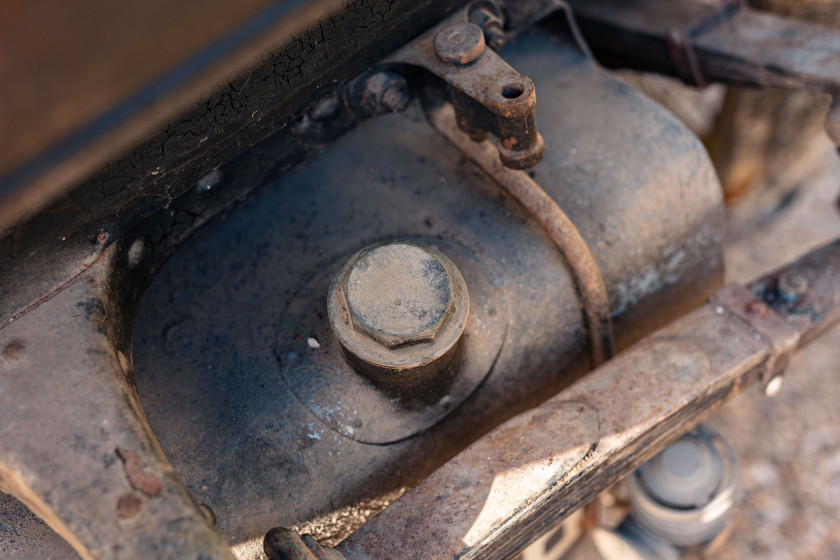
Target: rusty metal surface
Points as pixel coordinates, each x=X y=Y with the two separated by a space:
x=204 y=351
x=75 y=446
x=490 y=97
x=648 y=209
x=764 y=322
x=195 y=370
x=536 y=468
x=558 y=226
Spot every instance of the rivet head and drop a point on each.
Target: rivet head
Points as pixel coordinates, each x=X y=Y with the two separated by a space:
x=459 y=44
x=398 y=306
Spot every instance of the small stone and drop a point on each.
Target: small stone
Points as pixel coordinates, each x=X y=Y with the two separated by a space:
x=773 y=386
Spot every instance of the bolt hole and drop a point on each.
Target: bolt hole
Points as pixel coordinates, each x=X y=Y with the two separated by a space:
x=512 y=91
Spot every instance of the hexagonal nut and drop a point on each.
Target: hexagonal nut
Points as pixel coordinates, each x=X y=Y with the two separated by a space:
x=384 y=92
x=398 y=293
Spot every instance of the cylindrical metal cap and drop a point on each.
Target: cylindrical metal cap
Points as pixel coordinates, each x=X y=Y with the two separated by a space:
x=398 y=309
x=686 y=474
x=686 y=493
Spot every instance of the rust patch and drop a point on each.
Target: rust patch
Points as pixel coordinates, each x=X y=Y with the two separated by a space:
x=758 y=308
x=14 y=351
x=128 y=506
x=144 y=482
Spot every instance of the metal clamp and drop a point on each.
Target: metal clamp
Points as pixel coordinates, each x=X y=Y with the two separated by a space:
x=678 y=42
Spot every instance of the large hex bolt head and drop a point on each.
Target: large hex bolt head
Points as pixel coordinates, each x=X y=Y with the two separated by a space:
x=398 y=294
x=398 y=306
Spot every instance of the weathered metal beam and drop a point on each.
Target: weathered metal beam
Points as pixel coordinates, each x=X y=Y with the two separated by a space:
x=703 y=42
x=75 y=445
x=533 y=471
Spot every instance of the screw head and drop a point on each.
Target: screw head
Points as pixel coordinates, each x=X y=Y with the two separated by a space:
x=459 y=44
x=398 y=305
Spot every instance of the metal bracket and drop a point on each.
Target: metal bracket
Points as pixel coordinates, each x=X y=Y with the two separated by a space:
x=489 y=96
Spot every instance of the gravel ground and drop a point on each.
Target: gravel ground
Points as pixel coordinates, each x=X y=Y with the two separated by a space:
x=789 y=446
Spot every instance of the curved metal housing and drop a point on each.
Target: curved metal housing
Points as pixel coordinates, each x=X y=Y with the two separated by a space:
x=638 y=186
